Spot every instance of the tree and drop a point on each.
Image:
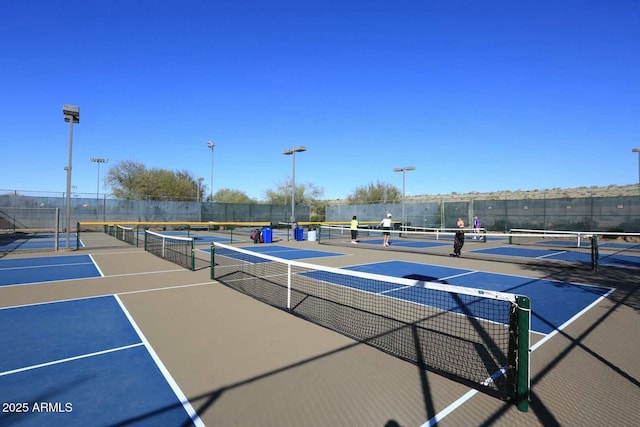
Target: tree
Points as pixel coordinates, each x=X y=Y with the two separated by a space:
x=132 y=180
x=306 y=194
x=232 y=196
x=376 y=193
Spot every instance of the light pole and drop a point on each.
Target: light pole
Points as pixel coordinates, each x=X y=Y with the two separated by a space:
x=637 y=150
x=292 y=152
x=98 y=160
x=200 y=179
x=71 y=115
x=211 y=146
x=403 y=170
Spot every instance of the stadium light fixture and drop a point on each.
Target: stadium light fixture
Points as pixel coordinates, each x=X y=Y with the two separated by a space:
x=403 y=170
x=637 y=150
x=98 y=160
x=71 y=115
x=292 y=152
x=211 y=146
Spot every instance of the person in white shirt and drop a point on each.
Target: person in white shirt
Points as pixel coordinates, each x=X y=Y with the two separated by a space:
x=386 y=229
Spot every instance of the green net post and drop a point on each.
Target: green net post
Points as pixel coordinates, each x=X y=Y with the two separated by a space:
x=77 y=236
x=522 y=381
x=193 y=256
x=211 y=269
x=595 y=254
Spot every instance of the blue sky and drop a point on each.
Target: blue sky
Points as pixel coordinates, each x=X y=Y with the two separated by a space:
x=477 y=95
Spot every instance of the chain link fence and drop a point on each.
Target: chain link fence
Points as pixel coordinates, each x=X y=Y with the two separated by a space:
x=621 y=213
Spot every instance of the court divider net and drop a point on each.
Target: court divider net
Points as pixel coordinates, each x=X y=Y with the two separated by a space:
x=518 y=247
x=122 y=233
x=179 y=250
x=477 y=337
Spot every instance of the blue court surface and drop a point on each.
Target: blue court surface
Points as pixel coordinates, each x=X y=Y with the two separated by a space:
x=290 y=253
x=553 y=303
x=406 y=243
x=82 y=363
x=47 y=269
x=32 y=242
x=618 y=260
x=283 y=252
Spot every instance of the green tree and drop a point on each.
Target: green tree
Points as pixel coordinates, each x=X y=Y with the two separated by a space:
x=232 y=196
x=306 y=194
x=132 y=180
x=376 y=193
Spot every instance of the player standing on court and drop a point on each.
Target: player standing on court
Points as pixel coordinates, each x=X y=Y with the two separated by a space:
x=386 y=229
x=354 y=229
x=476 y=227
x=458 y=240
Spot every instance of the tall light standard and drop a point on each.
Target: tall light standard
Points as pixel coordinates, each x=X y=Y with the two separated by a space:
x=71 y=115
x=98 y=160
x=211 y=145
x=637 y=150
x=292 y=152
x=403 y=170
x=200 y=179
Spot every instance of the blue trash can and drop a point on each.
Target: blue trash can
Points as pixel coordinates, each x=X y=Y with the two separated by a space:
x=267 y=235
x=298 y=233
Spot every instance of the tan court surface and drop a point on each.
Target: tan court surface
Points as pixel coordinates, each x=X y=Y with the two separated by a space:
x=243 y=363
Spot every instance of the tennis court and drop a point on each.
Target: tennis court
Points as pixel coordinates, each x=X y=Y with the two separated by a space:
x=145 y=341
x=34 y=241
x=520 y=246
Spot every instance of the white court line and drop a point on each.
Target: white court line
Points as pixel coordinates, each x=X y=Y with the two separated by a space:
x=96 y=265
x=550 y=255
x=69 y=359
x=165 y=372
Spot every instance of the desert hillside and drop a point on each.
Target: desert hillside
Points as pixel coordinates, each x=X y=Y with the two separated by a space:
x=553 y=193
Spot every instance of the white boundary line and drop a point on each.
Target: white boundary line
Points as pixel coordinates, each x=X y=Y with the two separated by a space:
x=165 y=372
x=69 y=359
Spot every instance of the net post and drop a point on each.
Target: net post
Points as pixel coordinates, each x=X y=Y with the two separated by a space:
x=595 y=254
x=77 y=236
x=212 y=264
x=145 y=240
x=288 y=286
x=193 y=256
x=56 y=234
x=522 y=380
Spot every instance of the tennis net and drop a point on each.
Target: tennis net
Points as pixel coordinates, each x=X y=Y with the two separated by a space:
x=512 y=247
x=122 y=233
x=476 y=337
x=179 y=250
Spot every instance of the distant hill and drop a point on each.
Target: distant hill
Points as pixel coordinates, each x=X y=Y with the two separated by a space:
x=553 y=193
